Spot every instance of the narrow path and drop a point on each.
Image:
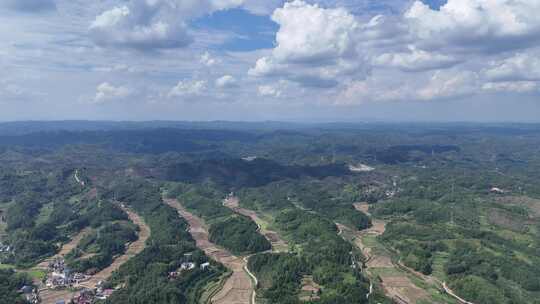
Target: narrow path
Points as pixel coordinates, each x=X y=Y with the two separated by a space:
x=239 y=288
x=278 y=243
x=455 y=296
x=376 y=260
x=379 y=265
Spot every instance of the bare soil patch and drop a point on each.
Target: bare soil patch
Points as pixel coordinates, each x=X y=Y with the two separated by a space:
x=132 y=250
x=530 y=203
x=507 y=220
x=66 y=248
x=238 y=289
x=396 y=284
x=310 y=289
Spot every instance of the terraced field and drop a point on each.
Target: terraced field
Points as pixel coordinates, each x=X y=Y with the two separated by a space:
x=239 y=287
x=398 y=282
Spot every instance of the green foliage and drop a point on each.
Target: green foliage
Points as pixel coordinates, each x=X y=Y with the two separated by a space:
x=478 y=290
x=146 y=275
x=10 y=283
x=108 y=242
x=279 y=275
x=240 y=235
x=236 y=233
x=238 y=173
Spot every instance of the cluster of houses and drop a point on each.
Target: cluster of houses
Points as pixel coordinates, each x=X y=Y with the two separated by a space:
x=5 y=248
x=186 y=266
x=90 y=296
x=30 y=294
x=61 y=276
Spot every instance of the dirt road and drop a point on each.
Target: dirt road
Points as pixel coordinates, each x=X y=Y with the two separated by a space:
x=239 y=288
x=132 y=250
x=278 y=244
x=66 y=248
x=49 y=296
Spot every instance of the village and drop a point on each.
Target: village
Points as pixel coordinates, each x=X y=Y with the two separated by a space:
x=60 y=277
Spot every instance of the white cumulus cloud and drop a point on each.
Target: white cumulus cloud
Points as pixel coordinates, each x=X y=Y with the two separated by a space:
x=226 y=81
x=269 y=91
x=476 y=25
x=107 y=92
x=152 y=24
x=314 y=45
x=520 y=67
x=415 y=60
x=188 y=88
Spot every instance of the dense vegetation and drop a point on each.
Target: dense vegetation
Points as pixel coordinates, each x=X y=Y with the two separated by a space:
x=38 y=212
x=432 y=184
x=236 y=233
x=319 y=252
x=103 y=245
x=236 y=173
x=146 y=275
x=240 y=234
x=10 y=284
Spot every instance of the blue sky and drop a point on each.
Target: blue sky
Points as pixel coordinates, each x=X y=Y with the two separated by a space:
x=305 y=60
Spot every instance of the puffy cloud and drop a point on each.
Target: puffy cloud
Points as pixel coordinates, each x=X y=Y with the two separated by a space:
x=449 y=84
x=439 y=85
x=269 y=91
x=314 y=45
x=310 y=34
x=476 y=25
x=226 y=81
x=106 y=92
x=152 y=24
x=188 y=88
x=415 y=60
x=29 y=5
x=208 y=60
x=520 y=67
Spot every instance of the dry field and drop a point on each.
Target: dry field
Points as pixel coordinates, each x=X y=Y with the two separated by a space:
x=278 y=244
x=238 y=289
x=507 y=220
x=532 y=204
x=66 y=248
x=132 y=250
x=394 y=282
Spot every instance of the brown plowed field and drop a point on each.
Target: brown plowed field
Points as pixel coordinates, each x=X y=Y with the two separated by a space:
x=132 y=250
x=395 y=283
x=238 y=288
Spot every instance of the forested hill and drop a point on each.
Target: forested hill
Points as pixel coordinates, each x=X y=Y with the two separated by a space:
x=135 y=141
x=240 y=173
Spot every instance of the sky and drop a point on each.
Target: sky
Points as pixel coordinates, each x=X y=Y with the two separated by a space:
x=251 y=60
